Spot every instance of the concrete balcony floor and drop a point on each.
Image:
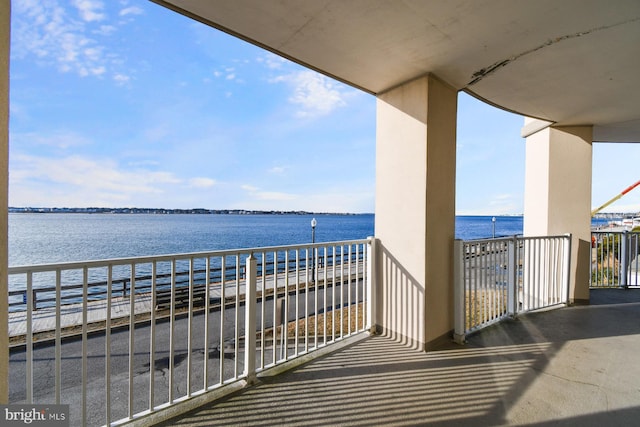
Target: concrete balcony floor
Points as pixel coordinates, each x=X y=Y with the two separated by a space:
x=574 y=366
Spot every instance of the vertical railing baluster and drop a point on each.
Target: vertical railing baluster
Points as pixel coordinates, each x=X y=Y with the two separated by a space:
x=29 y=338
x=263 y=314
x=274 y=301
x=635 y=267
x=172 y=327
x=473 y=295
x=535 y=266
x=556 y=277
x=152 y=337
x=190 y=326
x=494 y=282
x=484 y=282
x=341 y=291
x=324 y=295
x=296 y=334
x=531 y=268
x=107 y=346
x=132 y=319
x=538 y=261
x=307 y=262
x=58 y=347
x=624 y=261
x=250 y=320
x=314 y=282
x=285 y=320
x=237 y=326
x=553 y=271
x=223 y=276
x=85 y=290
x=349 y=284
x=207 y=309
x=567 y=266
x=512 y=277
x=370 y=289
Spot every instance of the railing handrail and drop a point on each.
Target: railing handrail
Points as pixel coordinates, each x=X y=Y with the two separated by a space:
x=509 y=238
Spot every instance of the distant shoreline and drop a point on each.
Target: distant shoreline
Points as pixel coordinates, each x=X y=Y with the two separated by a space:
x=202 y=211
x=162 y=211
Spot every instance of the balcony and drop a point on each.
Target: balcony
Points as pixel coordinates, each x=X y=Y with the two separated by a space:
x=570 y=367
x=146 y=340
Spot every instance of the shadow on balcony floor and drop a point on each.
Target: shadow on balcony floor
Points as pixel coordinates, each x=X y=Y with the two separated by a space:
x=575 y=366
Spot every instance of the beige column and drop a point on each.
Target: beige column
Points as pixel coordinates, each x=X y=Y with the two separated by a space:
x=5 y=20
x=415 y=210
x=558 y=193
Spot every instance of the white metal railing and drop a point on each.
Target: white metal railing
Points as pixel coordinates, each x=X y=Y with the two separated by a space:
x=615 y=259
x=498 y=278
x=185 y=325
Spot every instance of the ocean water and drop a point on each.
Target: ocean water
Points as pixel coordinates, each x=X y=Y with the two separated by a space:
x=482 y=227
x=51 y=238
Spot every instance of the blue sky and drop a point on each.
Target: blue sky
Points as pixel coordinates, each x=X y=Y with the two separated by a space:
x=125 y=103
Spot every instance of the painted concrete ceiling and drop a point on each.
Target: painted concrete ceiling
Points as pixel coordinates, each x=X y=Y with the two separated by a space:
x=573 y=62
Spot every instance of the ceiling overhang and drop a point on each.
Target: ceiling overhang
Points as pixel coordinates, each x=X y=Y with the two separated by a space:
x=572 y=62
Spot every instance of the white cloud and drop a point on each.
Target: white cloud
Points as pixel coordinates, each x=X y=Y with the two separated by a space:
x=57 y=37
x=106 y=30
x=316 y=94
x=90 y=10
x=202 y=182
x=133 y=10
x=56 y=139
x=84 y=179
x=121 y=79
x=272 y=61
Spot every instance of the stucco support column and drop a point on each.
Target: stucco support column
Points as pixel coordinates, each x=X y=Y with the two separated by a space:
x=558 y=193
x=415 y=210
x=5 y=19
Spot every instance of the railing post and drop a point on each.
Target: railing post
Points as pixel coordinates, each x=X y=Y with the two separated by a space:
x=34 y=300
x=371 y=284
x=512 y=274
x=459 y=308
x=250 y=319
x=624 y=259
x=567 y=267
x=634 y=259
